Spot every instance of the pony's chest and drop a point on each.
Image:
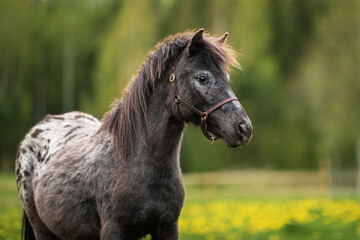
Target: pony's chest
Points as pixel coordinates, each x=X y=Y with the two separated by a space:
x=152 y=214
x=155 y=204
x=161 y=197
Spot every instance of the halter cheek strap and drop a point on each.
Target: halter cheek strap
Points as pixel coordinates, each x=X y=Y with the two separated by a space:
x=203 y=115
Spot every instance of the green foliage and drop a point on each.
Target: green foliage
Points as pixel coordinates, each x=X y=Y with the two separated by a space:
x=300 y=84
x=48 y=50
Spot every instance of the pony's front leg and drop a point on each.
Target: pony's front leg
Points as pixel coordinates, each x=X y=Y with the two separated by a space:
x=166 y=233
x=110 y=230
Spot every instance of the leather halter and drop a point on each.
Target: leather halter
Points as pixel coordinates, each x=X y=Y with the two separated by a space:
x=203 y=115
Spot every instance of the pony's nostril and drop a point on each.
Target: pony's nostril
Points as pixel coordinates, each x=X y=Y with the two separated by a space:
x=242 y=128
x=245 y=129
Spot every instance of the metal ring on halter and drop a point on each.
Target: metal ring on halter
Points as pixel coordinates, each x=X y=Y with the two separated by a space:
x=177 y=98
x=172 y=77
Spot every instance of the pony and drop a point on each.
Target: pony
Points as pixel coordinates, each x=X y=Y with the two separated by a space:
x=120 y=178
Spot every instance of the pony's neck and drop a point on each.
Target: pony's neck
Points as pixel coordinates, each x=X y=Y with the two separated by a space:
x=142 y=125
x=163 y=131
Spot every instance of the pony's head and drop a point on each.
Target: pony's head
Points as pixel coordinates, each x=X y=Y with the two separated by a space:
x=194 y=68
x=200 y=79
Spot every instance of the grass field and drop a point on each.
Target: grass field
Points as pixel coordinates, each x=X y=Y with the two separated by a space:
x=221 y=209
x=10 y=208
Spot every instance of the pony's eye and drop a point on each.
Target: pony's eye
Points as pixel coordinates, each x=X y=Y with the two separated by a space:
x=202 y=78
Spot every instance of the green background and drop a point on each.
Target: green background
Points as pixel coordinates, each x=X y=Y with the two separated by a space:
x=300 y=85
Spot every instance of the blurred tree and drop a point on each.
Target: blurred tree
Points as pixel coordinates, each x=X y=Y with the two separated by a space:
x=300 y=84
x=328 y=80
x=132 y=34
x=49 y=49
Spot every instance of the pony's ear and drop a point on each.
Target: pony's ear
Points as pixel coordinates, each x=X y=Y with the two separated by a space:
x=223 y=38
x=196 y=42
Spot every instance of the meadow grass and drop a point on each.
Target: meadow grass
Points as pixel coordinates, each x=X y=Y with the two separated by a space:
x=10 y=208
x=220 y=213
x=308 y=218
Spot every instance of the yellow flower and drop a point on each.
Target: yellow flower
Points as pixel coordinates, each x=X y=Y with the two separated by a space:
x=229 y=219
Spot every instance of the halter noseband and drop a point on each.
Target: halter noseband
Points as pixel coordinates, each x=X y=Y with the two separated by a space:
x=203 y=115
